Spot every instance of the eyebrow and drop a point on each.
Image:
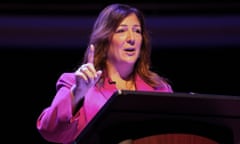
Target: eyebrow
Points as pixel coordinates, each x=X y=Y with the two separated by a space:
x=135 y=25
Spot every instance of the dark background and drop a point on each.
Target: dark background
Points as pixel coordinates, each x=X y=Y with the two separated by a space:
x=195 y=45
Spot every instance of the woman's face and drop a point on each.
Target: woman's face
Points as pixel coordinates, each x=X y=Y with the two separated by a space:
x=126 y=41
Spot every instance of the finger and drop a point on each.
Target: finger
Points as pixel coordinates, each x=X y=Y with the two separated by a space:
x=82 y=76
x=91 y=54
x=99 y=73
x=86 y=71
x=91 y=69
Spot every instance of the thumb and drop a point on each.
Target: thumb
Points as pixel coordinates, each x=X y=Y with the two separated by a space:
x=99 y=73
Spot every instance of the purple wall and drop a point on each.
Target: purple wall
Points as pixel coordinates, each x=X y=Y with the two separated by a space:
x=198 y=31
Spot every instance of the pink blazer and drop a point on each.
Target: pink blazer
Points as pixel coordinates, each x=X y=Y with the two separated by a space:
x=57 y=123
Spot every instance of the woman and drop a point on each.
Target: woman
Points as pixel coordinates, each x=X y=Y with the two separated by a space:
x=118 y=57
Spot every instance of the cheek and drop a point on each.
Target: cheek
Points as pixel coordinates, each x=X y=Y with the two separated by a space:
x=139 y=43
x=117 y=42
x=118 y=38
x=138 y=38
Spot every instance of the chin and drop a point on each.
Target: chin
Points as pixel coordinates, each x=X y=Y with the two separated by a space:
x=130 y=61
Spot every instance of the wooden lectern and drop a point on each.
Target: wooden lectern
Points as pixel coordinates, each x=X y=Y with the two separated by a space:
x=138 y=114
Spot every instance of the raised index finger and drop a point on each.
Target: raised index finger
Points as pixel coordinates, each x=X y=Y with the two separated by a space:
x=91 y=54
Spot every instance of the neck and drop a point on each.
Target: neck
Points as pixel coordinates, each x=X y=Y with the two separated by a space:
x=125 y=85
x=122 y=77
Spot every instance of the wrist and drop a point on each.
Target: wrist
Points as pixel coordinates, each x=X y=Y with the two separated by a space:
x=77 y=101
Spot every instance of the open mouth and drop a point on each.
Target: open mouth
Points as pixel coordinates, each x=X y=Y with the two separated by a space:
x=129 y=49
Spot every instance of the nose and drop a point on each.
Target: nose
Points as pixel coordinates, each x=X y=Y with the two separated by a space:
x=131 y=38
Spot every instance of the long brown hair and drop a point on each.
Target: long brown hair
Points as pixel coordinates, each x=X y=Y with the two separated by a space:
x=105 y=25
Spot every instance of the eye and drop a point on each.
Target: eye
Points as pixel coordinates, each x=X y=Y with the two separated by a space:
x=120 y=30
x=137 y=30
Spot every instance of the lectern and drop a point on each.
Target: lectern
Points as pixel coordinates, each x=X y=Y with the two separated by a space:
x=137 y=114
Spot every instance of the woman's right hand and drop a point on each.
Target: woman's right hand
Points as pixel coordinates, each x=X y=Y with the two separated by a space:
x=86 y=77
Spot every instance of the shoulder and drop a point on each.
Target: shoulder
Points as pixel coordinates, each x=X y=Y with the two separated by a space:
x=164 y=87
x=161 y=84
x=66 y=79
